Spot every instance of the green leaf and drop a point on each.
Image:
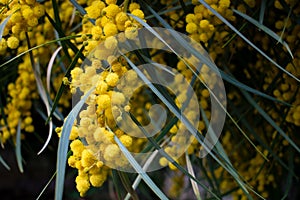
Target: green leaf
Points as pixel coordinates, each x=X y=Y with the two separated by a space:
x=2 y=26
x=191 y=171
x=269 y=119
x=289 y=179
x=265 y=29
x=48 y=183
x=64 y=144
x=2 y=161
x=36 y=47
x=262 y=11
x=245 y=39
x=145 y=167
x=41 y=91
x=18 y=147
x=169 y=158
x=126 y=183
x=63 y=86
x=205 y=60
x=117 y=183
x=139 y=170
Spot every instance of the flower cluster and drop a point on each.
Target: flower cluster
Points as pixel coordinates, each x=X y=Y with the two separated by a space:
x=21 y=93
x=23 y=17
x=117 y=95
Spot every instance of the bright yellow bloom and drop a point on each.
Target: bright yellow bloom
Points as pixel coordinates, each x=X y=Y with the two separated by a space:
x=97 y=180
x=87 y=158
x=191 y=27
x=112 y=79
x=126 y=140
x=82 y=184
x=110 y=42
x=13 y=42
x=131 y=33
x=111 y=10
x=77 y=147
x=121 y=18
x=110 y=29
x=133 y=6
x=138 y=13
x=103 y=101
x=111 y=152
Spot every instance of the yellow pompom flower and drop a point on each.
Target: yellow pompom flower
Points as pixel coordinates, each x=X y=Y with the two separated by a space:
x=16 y=17
x=94 y=10
x=121 y=18
x=99 y=134
x=111 y=152
x=82 y=184
x=190 y=18
x=74 y=133
x=111 y=10
x=163 y=161
x=203 y=37
x=29 y=128
x=32 y=22
x=131 y=33
x=112 y=79
x=87 y=158
x=76 y=147
x=97 y=180
x=27 y=13
x=17 y=29
x=101 y=87
x=28 y=120
x=30 y=2
x=204 y=23
x=110 y=29
x=103 y=101
x=172 y=167
x=96 y=32
x=3 y=45
x=224 y=3
x=138 y=13
x=110 y=42
x=39 y=10
x=13 y=42
x=134 y=6
x=191 y=27
x=110 y=2
x=118 y=98
x=126 y=140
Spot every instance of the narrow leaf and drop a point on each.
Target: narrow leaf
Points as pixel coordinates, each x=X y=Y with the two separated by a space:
x=48 y=183
x=191 y=171
x=41 y=91
x=2 y=161
x=139 y=170
x=225 y=76
x=265 y=29
x=245 y=39
x=49 y=68
x=269 y=119
x=145 y=167
x=2 y=26
x=18 y=147
x=62 y=86
x=64 y=144
x=38 y=46
x=262 y=11
x=289 y=180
